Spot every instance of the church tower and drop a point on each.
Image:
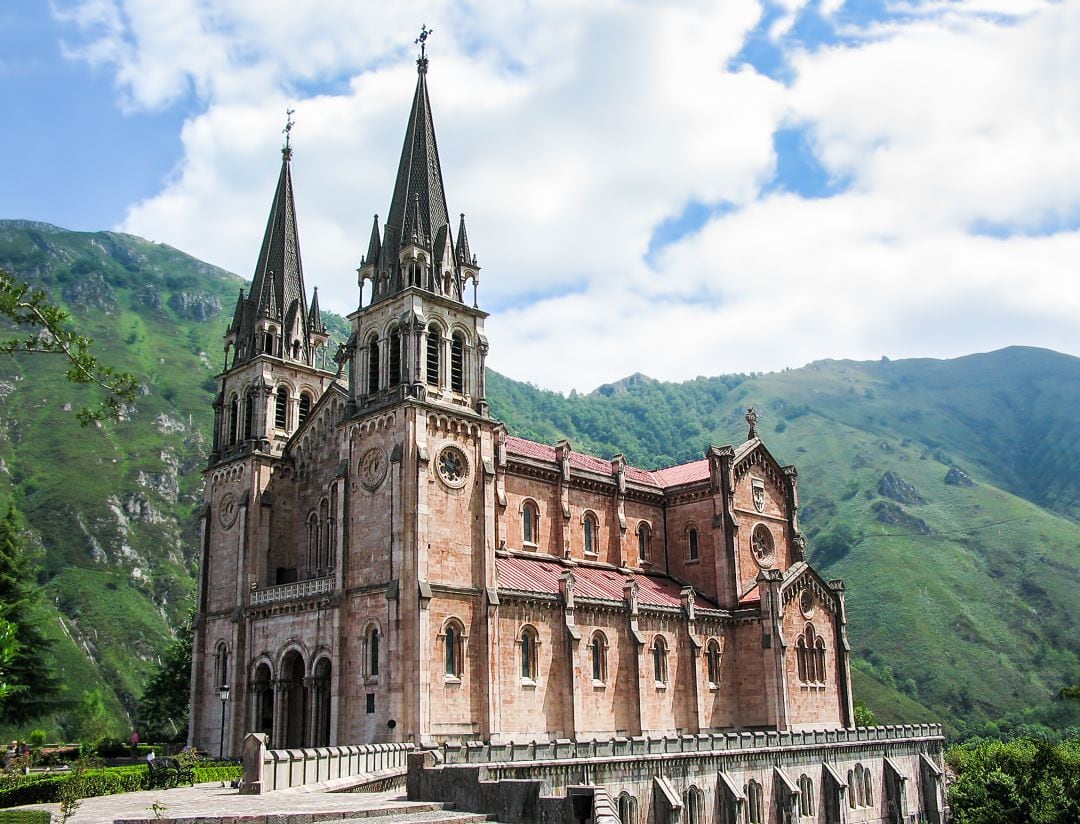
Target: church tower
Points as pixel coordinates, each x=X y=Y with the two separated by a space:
x=272 y=380
x=418 y=337
x=275 y=346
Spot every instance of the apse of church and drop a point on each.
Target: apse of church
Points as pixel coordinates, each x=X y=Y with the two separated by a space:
x=382 y=561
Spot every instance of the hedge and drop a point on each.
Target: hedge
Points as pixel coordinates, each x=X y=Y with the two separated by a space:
x=45 y=788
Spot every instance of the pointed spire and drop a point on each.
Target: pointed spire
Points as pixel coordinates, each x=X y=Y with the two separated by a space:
x=419 y=201
x=314 y=316
x=279 y=276
x=462 y=253
x=374 y=245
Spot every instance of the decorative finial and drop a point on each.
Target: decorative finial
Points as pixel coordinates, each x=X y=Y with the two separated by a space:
x=289 y=123
x=421 y=41
x=751 y=420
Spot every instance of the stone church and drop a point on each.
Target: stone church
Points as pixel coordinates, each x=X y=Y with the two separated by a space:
x=382 y=561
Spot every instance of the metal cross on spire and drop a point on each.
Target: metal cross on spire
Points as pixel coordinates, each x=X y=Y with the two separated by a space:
x=421 y=41
x=288 y=124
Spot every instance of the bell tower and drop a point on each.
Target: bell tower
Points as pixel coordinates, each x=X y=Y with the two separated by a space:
x=275 y=346
x=418 y=337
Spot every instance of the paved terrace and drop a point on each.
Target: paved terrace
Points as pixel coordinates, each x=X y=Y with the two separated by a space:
x=214 y=804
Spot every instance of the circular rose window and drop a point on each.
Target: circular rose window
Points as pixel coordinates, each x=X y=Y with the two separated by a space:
x=761 y=545
x=453 y=466
x=806 y=603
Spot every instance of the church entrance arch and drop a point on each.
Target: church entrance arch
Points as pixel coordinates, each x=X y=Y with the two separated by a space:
x=294 y=693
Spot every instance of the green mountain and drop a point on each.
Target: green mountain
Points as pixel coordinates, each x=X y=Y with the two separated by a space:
x=946 y=493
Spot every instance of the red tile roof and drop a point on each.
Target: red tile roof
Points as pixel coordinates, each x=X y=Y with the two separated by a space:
x=542 y=575
x=672 y=476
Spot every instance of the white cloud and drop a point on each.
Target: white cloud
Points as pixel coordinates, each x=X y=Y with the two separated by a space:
x=569 y=133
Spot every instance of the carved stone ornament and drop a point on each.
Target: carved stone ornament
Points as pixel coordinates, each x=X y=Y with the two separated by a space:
x=759 y=495
x=228 y=510
x=806 y=603
x=453 y=467
x=372 y=467
x=762 y=546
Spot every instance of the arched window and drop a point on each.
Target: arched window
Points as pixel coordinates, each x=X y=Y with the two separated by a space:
x=695 y=806
x=627 y=809
x=643 y=541
x=372 y=657
x=659 y=653
x=589 y=530
x=457 y=363
x=234 y=419
x=860 y=786
x=598 y=654
x=528 y=654
x=806 y=796
x=394 y=360
x=755 y=808
x=868 y=789
x=296 y=350
x=331 y=530
x=305 y=408
x=851 y=789
x=530 y=524
x=249 y=414
x=281 y=408
x=434 y=345
x=221 y=664
x=819 y=660
x=324 y=536
x=712 y=656
x=810 y=657
x=453 y=649
x=691 y=544
x=312 y=541
x=373 y=365
x=268 y=343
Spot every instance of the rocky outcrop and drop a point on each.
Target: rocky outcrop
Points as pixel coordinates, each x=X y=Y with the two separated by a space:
x=893 y=486
x=195 y=305
x=149 y=297
x=90 y=291
x=958 y=477
x=887 y=512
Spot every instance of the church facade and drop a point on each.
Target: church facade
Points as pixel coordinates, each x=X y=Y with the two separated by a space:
x=383 y=561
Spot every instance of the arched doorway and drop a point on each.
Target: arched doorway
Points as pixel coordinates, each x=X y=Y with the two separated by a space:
x=320 y=701
x=262 y=700
x=294 y=694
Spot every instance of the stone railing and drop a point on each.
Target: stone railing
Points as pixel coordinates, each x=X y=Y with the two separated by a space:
x=562 y=749
x=322 y=767
x=292 y=592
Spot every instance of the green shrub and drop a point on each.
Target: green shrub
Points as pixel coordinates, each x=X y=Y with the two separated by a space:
x=25 y=817
x=37 y=738
x=112 y=748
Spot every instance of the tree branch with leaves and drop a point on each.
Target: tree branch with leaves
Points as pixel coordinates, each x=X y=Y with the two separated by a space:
x=40 y=327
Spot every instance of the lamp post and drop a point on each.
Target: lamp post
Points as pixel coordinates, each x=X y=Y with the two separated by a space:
x=223 y=694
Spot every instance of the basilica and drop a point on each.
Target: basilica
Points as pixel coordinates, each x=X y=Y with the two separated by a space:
x=382 y=561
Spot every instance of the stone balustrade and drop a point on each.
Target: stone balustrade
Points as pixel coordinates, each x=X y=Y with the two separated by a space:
x=292 y=592
x=329 y=767
x=565 y=749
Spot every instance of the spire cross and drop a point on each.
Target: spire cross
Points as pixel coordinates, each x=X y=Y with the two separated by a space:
x=421 y=41
x=289 y=123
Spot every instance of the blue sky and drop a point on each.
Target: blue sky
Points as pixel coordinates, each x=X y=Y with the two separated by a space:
x=843 y=170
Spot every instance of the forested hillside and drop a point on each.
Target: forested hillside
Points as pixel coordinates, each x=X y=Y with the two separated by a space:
x=946 y=493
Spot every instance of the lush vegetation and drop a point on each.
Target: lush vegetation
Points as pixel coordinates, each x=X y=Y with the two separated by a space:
x=1025 y=781
x=946 y=493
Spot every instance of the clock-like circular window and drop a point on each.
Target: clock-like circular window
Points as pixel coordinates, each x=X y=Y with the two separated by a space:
x=372 y=468
x=453 y=466
x=228 y=510
x=762 y=546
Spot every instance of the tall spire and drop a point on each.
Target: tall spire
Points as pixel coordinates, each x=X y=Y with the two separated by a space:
x=273 y=320
x=419 y=195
